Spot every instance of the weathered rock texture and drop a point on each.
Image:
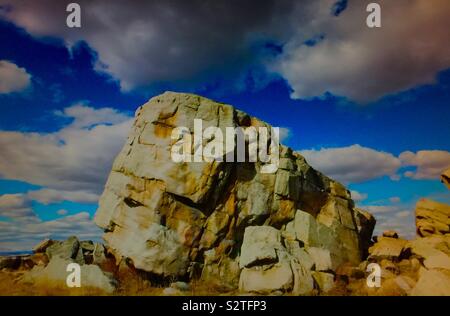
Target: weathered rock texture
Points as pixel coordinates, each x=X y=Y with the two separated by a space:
x=432 y=218
x=226 y=223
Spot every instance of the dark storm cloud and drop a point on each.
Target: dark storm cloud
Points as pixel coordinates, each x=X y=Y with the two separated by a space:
x=364 y=64
x=141 y=43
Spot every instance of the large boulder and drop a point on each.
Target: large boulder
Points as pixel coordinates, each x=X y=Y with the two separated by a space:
x=173 y=218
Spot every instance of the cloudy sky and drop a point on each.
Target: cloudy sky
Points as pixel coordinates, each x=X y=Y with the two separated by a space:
x=368 y=107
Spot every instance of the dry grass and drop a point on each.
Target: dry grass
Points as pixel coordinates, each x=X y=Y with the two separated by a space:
x=11 y=286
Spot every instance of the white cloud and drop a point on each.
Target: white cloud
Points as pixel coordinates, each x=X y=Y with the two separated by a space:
x=157 y=38
x=353 y=163
x=48 y=196
x=403 y=226
x=23 y=229
x=365 y=64
x=62 y=212
x=15 y=206
x=403 y=214
x=76 y=158
x=12 y=77
x=393 y=217
x=357 y=196
x=84 y=116
x=381 y=209
x=394 y=199
x=429 y=163
x=72 y=164
x=18 y=235
x=285 y=134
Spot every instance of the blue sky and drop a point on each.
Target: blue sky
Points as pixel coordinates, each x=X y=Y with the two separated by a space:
x=378 y=121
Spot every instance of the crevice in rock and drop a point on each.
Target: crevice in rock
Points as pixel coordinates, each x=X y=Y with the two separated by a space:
x=132 y=203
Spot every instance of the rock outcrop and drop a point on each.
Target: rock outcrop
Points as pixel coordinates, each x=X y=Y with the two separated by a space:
x=229 y=224
x=175 y=228
x=432 y=218
x=409 y=267
x=48 y=265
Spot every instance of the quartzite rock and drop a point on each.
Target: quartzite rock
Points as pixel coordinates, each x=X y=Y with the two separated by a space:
x=168 y=217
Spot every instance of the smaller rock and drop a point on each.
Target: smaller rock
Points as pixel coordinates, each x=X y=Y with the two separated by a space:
x=264 y=280
x=181 y=286
x=325 y=281
x=12 y=263
x=259 y=245
x=426 y=248
x=387 y=248
x=432 y=218
x=67 y=250
x=87 y=245
x=55 y=273
x=98 y=254
x=43 y=245
x=170 y=291
x=432 y=283
x=390 y=234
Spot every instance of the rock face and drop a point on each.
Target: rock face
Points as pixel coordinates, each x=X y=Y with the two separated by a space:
x=228 y=221
x=432 y=218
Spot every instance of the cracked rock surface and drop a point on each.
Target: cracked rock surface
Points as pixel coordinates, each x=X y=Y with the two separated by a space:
x=225 y=223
